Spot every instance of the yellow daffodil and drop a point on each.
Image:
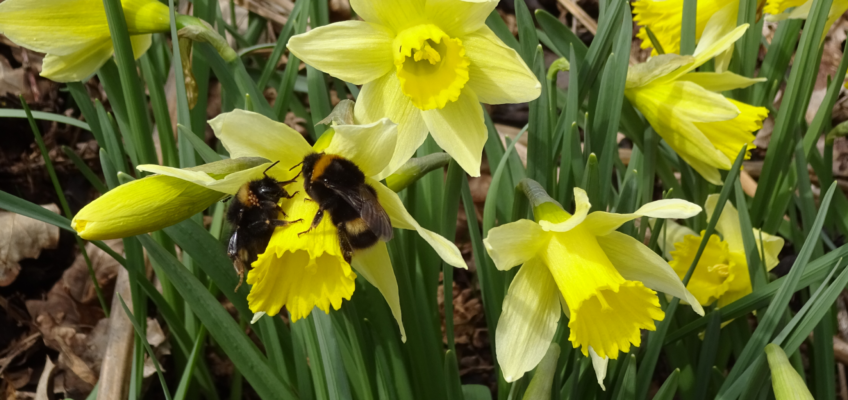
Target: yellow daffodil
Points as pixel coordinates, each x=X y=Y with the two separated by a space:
x=722 y=271
x=602 y=279
x=688 y=110
x=799 y=9
x=301 y=272
x=75 y=33
x=426 y=65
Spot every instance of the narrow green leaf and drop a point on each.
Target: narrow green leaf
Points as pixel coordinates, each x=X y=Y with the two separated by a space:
x=452 y=377
x=688 y=27
x=669 y=387
x=9 y=113
x=707 y=355
x=206 y=152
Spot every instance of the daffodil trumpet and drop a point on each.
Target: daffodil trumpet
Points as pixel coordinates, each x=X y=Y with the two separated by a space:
x=578 y=264
x=75 y=35
x=722 y=275
x=687 y=109
x=426 y=65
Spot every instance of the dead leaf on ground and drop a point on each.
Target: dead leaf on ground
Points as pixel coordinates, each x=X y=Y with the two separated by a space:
x=22 y=237
x=45 y=383
x=12 y=80
x=77 y=280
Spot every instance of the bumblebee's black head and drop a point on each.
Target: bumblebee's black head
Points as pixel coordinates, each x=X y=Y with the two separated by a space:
x=309 y=165
x=267 y=189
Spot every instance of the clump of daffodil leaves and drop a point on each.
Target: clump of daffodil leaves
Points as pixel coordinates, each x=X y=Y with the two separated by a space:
x=426 y=65
x=603 y=280
x=298 y=272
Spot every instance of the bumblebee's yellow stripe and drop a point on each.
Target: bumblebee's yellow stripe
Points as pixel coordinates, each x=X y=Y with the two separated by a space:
x=321 y=165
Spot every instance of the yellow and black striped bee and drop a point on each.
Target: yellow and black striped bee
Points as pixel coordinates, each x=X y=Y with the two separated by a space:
x=339 y=188
x=253 y=213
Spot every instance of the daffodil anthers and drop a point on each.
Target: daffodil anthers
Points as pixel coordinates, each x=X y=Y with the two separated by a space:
x=687 y=109
x=426 y=65
x=75 y=36
x=603 y=280
x=722 y=271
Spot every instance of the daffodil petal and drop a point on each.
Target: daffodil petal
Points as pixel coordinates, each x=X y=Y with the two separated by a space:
x=497 y=73
x=403 y=220
x=709 y=48
x=249 y=134
x=54 y=26
x=728 y=223
x=459 y=128
x=656 y=67
x=459 y=18
x=383 y=98
x=354 y=51
x=77 y=66
x=230 y=184
x=600 y=365
x=772 y=245
x=581 y=210
x=369 y=146
x=706 y=169
x=720 y=82
x=601 y=223
x=142 y=206
x=787 y=383
x=395 y=14
x=514 y=243
x=672 y=233
x=528 y=321
x=720 y=24
x=636 y=262
x=375 y=266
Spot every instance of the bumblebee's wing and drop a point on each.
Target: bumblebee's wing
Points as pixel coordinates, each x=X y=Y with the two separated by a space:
x=364 y=201
x=232 y=248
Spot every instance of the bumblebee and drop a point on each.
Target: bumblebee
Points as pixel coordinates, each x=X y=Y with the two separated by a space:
x=253 y=214
x=339 y=188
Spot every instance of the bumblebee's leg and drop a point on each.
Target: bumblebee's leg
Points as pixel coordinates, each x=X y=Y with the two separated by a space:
x=344 y=243
x=238 y=264
x=281 y=223
x=268 y=204
x=315 y=221
x=291 y=195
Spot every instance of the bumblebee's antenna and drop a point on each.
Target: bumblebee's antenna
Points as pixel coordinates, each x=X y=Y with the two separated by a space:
x=298 y=164
x=272 y=166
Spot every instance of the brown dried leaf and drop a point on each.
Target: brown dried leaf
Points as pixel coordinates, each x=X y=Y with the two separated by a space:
x=22 y=237
x=45 y=383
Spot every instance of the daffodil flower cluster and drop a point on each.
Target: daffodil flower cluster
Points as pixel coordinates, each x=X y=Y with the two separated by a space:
x=722 y=271
x=603 y=280
x=296 y=271
x=426 y=65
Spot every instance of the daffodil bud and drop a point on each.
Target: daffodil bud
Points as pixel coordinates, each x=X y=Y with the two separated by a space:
x=786 y=382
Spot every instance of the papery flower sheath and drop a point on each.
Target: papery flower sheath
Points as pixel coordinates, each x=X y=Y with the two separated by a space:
x=688 y=110
x=426 y=65
x=75 y=33
x=578 y=264
x=300 y=272
x=722 y=271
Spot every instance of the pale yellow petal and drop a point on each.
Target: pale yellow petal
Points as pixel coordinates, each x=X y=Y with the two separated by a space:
x=497 y=73
x=514 y=243
x=142 y=206
x=460 y=130
x=459 y=17
x=375 y=266
x=710 y=47
x=54 y=26
x=229 y=184
x=354 y=51
x=671 y=233
x=601 y=223
x=403 y=220
x=773 y=245
x=77 y=66
x=146 y=16
x=369 y=146
x=600 y=365
x=720 y=82
x=249 y=134
x=636 y=262
x=581 y=210
x=721 y=23
x=528 y=321
x=383 y=98
x=728 y=223
x=656 y=67
x=395 y=14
